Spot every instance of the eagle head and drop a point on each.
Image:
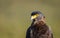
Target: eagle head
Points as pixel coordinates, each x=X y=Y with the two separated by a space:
x=37 y=17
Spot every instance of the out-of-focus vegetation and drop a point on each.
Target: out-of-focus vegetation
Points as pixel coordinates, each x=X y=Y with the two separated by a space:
x=15 y=16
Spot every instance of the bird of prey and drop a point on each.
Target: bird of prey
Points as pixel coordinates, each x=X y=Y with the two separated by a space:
x=38 y=28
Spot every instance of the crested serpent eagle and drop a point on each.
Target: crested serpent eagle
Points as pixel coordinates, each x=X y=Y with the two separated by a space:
x=38 y=28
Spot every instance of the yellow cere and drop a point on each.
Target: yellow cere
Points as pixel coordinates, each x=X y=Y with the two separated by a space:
x=34 y=16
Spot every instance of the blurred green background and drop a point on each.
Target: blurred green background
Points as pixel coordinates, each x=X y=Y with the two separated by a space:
x=15 y=16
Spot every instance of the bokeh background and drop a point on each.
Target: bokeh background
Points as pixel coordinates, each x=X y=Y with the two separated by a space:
x=15 y=16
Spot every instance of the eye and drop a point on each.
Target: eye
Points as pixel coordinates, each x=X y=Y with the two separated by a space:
x=44 y=16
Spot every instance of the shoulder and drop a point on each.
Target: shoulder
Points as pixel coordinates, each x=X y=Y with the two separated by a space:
x=50 y=30
x=29 y=29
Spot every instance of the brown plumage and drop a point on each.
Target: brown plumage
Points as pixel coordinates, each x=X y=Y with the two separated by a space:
x=39 y=29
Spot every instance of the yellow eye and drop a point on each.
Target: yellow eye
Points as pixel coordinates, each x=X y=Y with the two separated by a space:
x=34 y=16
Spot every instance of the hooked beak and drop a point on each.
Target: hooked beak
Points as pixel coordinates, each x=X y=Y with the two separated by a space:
x=34 y=16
